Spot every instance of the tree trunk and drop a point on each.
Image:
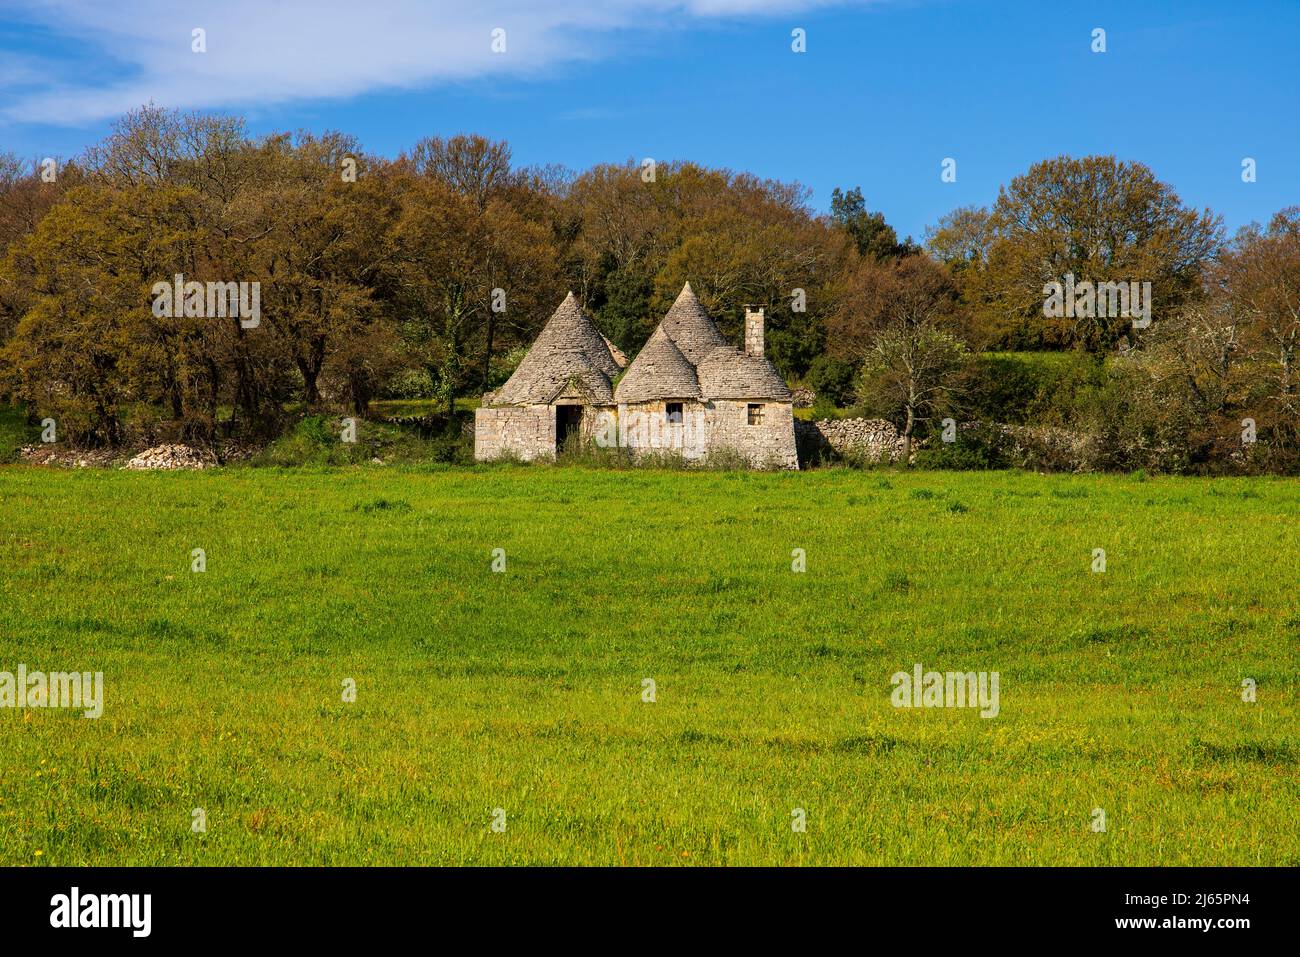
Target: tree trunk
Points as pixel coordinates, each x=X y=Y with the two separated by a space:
x=310 y=394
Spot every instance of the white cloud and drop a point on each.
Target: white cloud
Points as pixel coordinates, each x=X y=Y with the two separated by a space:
x=261 y=52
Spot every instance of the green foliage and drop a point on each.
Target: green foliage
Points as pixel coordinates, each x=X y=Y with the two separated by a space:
x=1036 y=388
x=822 y=408
x=504 y=366
x=15 y=432
x=623 y=311
x=872 y=236
x=1096 y=218
x=794 y=340
x=411 y=384
x=976 y=449
x=832 y=379
x=316 y=440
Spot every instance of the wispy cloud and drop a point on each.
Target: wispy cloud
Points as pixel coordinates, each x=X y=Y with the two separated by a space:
x=263 y=52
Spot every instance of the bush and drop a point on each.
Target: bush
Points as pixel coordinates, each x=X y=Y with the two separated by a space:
x=503 y=367
x=832 y=380
x=317 y=440
x=15 y=432
x=976 y=449
x=1033 y=388
x=411 y=384
x=824 y=408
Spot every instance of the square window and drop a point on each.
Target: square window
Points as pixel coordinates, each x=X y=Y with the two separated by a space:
x=673 y=413
x=755 y=414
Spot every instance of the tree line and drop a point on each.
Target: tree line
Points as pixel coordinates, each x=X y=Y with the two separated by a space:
x=428 y=274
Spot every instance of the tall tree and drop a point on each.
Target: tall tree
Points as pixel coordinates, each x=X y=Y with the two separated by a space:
x=1097 y=219
x=458 y=268
x=874 y=237
x=899 y=322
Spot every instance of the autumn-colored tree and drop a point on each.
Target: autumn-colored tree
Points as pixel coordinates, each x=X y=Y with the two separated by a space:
x=441 y=266
x=473 y=166
x=25 y=197
x=899 y=321
x=1096 y=218
x=323 y=247
x=1260 y=278
x=913 y=290
x=456 y=267
x=962 y=238
x=738 y=239
x=88 y=345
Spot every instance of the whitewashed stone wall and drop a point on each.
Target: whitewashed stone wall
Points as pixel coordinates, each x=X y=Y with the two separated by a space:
x=525 y=432
x=528 y=433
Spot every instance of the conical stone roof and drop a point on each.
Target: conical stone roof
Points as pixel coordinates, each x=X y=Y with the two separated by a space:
x=568 y=349
x=659 y=371
x=690 y=328
x=729 y=373
x=688 y=358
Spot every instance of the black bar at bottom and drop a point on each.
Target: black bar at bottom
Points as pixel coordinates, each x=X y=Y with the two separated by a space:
x=943 y=906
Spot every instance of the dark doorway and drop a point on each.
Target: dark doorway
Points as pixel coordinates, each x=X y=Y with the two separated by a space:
x=568 y=419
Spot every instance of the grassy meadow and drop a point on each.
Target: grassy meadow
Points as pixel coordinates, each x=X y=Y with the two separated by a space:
x=522 y=690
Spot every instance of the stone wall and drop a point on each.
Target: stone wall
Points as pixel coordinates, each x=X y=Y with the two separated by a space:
x=869 y=440
x=1037 y=447
x=524 y=432
x=643 y=427
x=528 y=432
x=769 y=445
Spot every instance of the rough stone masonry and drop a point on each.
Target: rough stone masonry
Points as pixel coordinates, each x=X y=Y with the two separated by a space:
x=702 y=395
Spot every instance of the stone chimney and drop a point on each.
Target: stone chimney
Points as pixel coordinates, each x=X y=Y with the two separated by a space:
x=754 y=330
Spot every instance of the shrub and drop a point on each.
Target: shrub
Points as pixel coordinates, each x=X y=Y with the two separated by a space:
x=978 y=447
x=1033 y=388
x=832 y=380
x=411 y=384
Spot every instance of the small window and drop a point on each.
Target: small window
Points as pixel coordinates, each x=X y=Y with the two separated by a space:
x=755 y=414
x=673 y=413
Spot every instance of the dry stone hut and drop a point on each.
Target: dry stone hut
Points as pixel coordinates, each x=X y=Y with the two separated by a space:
x=557 y=391
x=690 y=390
x=687 y=392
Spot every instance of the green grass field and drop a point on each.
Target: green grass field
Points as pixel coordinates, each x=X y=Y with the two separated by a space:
x=522 y=690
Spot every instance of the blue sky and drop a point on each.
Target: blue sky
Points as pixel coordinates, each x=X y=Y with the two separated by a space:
x=885 y=91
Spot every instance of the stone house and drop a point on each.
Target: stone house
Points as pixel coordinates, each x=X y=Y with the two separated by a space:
x=558 y=390
x=687 y=392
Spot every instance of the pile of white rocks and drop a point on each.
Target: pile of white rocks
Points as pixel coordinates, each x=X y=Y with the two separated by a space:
x=63 y=457
x=171 y=457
